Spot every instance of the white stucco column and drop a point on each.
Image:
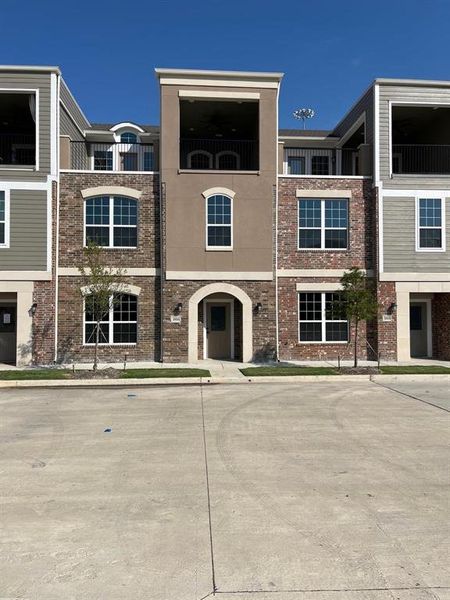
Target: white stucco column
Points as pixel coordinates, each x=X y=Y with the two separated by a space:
x=403 y=328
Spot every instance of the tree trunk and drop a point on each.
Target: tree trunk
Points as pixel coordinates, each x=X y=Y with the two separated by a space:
x=355 y=357
x=97 y=337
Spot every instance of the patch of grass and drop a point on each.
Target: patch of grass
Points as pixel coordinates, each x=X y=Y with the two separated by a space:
x=36 y=374
x=283 y=371
x=146 y=373
x=415 y=370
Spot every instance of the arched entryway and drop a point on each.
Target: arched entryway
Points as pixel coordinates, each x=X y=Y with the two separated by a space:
x=216 y=303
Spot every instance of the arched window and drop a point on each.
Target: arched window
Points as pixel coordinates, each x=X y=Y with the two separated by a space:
x=219 y=229
x=227 y=160
x=200 y=159
x=111 y=221
x=117 y=324
x=128 y=137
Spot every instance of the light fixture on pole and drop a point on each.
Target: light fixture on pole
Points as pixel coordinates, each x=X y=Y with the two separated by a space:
x=302 y=114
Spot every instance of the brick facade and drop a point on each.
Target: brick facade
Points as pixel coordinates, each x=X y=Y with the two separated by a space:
x=441 y=326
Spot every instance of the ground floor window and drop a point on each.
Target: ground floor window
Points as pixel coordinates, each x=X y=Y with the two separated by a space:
x=319 y=319
x=118 y=325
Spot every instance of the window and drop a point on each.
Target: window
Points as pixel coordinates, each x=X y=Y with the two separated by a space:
x=103 y=160
x=318 y=319
x=430 y=219
x=200 y=159
x=129 y=161
x=227 y=160
x=128 y=138
x=296 y=165
x=118 y=325
x=4 y=220
x=323 y=224
x=320 y=165
x=148 y=161
x=219 y=222
x=111 y=221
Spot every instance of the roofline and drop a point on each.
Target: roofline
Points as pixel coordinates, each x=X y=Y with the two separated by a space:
x=417 y=82
x=35 y=68
x=74 y=100
x=310 y=137
x=238 y=74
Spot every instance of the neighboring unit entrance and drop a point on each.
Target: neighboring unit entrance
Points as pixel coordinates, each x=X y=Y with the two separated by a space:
x=418 y=325
x=8 y=333
x=219 y=327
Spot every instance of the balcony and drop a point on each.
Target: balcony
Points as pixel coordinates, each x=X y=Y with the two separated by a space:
x=219 y=154
x=17 y=150
x=420 y=159
x=121 y=156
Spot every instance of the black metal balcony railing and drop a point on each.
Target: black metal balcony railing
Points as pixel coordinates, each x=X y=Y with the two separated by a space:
x=219 y=154
x=112 y=157
x=17 y=150
x=421 y=159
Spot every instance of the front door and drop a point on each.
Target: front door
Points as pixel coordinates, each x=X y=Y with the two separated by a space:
x=8 y=334
x=418 y=329
x=218 y=330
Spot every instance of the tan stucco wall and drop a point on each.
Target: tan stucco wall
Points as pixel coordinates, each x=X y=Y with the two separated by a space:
x=185 y=205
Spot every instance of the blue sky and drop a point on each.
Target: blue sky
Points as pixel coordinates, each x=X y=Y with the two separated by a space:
x=329 y=51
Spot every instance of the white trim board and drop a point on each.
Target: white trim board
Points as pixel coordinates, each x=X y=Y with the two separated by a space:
x=220 y=275
x=25 y=276
x=415 y=277
x=317 y=272
x=219 y=95
x=319 y=287
x=137 y=272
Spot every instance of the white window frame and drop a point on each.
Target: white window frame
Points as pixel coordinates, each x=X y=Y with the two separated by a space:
x=323 y=320
x=110 y=323
x=219 y=248
x=6 y=197
x=111 y=222
x=430 y=196
x=322 y=226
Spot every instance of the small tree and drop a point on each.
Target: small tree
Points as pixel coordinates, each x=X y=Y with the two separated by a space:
x=99 y=284
x=357 y=302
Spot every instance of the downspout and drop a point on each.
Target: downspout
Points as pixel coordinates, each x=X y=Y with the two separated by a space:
x=58 y=87
x=277 y=342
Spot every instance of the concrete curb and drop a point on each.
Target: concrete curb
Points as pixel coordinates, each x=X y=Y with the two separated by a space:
x=114 y=383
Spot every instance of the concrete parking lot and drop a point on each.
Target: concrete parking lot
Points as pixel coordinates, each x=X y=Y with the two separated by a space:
x=301 y=491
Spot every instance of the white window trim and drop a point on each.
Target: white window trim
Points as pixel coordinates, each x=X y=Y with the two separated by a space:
x=218 y=248
x=111 y=223
x=204 y=153
x=34 y=167
x=322 y=226
x=431 y=196
x=7 y=221
x=323 y=320
x=110 y=323
x=228 y=153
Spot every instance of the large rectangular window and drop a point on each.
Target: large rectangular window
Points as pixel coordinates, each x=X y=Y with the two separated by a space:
x=296 y=165
x=320 y=165
x=323 y=224
x=319 y=321
x=430 y=224
x=111 y=221
x=103 y=160
x=118 y=324
x=4 y=219
x=219 y=223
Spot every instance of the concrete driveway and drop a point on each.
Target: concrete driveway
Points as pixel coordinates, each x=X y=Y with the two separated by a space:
x=309 y=491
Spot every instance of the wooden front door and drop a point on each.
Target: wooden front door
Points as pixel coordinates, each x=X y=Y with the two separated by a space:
x=218 y=330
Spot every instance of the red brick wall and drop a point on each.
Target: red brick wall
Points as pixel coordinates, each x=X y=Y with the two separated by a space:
x=387 y=330
x=361 y=234
x=441 y=326
x=72 y=219
x=70 y=325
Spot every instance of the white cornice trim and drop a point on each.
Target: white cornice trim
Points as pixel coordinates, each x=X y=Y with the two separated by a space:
x=233 y=83
x=323 y=193
x=126 y=288
x=220 y=95
x=111 y=190
x=423 y=286
x=318 y=287
x=285 y=175
x=220 y=275
x=218 y=190
x=127 y=125
x=137 y=272
x=415 y=277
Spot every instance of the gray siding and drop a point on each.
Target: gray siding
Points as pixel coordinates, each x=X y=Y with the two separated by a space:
x=399 y=234
x=401 y=94
x=40 y=81
x=365 y=103
x=67 y=126
x=72 y=113
x=28 y=232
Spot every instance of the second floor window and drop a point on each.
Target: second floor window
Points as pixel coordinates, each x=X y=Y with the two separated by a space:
x=3 y=220
x=219 y=233
x=323 y=224
x=430 y=235
x=103 y=160
x=111 y=221
x=320 y=165
x=296 y=165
